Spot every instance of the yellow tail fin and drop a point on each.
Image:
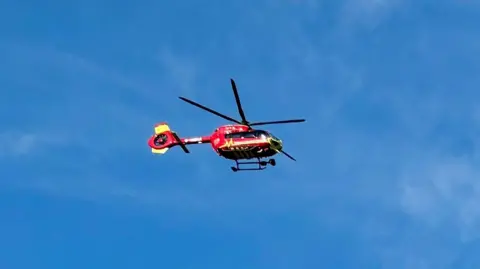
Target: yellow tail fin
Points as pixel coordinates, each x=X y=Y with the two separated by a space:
x=161 y=128
x=159 y=151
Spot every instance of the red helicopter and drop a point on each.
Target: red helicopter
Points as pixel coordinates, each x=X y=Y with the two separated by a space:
x=234 y=142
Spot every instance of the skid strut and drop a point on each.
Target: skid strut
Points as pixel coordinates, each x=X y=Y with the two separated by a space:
x=261 y=165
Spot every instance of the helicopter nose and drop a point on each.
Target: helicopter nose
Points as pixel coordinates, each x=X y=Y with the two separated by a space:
x=276 y=144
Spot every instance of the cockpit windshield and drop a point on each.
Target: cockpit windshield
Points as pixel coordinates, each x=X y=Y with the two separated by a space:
x=274 y=137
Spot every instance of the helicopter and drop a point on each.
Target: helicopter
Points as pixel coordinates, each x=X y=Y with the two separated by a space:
x=238 y=142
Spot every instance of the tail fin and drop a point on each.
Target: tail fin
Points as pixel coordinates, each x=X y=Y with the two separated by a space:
x=160 y=151
x=161 y=128
x=164 y=139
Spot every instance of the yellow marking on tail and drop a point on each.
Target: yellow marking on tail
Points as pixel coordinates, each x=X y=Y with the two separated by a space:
x=159 y=151
x=161 y=128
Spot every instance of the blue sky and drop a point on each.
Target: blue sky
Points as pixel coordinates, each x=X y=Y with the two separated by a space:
x=387 y=173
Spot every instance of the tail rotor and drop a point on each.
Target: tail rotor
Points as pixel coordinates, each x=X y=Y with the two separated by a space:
x=164 y=139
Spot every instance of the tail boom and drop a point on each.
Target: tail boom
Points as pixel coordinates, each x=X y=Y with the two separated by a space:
x=164 y=139
x=196 y=140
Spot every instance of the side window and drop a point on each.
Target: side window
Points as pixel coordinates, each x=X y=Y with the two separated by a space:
x=249 y=135
x=257 y=133
x=239 y=135
x=260 y=134
x=232 y=135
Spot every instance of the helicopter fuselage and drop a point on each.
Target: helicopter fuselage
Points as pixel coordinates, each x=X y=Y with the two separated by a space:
x=237 y=142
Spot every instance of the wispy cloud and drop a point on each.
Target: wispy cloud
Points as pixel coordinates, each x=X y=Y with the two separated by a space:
x=368 y=13
x=101 y=188
x=444 y=191
x=182 y=71
x=16 y=144
x=88 y=93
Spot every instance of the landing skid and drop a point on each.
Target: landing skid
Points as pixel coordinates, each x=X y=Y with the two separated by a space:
x=261 y=165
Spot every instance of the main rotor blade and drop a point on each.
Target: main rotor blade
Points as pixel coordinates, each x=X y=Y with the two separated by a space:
x=276 y=122
x=209 y=110
x=288 y=155
x=237 y=99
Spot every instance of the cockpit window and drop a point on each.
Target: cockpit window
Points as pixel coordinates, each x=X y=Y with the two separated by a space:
x=235 y=135
x=259 y=133
x=252 y=134
x=274 y=137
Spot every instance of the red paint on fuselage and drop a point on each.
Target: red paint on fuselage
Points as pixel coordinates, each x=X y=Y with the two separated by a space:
x=233 y=142
x=217 y=139
x=239 y=142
